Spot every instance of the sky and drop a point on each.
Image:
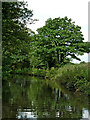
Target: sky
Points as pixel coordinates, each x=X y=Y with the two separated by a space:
x=77 y=10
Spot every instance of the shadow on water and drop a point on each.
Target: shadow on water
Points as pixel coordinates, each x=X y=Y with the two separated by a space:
x=31 y=97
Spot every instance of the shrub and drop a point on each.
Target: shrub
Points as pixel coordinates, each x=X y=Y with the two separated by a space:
x=74 y=76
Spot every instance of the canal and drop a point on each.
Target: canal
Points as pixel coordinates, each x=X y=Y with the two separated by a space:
x=32 y=97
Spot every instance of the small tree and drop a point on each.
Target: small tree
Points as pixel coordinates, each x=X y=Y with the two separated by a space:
x=58 y=39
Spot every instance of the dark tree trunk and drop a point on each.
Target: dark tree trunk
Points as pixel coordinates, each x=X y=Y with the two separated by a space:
x=61 y=58
x=58 y=55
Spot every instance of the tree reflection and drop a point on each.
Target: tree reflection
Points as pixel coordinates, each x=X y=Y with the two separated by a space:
x=44 y=99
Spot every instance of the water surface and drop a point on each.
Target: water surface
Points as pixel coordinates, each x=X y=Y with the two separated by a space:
x=32 y=97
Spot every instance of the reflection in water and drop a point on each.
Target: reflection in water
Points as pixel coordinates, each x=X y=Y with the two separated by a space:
x=26 y=114
x=85 y=113
x=29 y=97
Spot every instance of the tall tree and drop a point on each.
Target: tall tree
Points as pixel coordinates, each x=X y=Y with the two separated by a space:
x=15 y=34
x=58 y=39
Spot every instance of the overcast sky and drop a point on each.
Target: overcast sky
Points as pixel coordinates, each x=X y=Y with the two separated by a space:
x=77 y=10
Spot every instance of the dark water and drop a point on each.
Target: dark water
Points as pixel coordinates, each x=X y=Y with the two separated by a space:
x=31 y=97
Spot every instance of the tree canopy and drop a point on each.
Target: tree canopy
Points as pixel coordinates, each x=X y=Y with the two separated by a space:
x=56 y=43
x=58 y=39
x=15 y=34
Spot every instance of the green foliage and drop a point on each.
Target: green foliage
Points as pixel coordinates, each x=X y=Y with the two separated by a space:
x=75 y=77
x=15 y=36
x=51 y=73
x=58 y=39
x=41 y=54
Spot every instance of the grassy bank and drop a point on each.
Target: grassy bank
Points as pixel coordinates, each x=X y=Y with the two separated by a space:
x=75 y=77
x=72 y=76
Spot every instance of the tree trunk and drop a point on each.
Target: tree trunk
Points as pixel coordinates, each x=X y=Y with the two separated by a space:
x=61 y=58
x=58 y=55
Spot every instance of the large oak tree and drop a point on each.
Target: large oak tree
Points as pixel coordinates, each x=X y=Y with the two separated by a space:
x=58 y=39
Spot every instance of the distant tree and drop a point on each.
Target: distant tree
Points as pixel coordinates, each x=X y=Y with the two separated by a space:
x=58 y=39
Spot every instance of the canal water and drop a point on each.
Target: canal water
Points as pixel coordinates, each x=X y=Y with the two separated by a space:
x=32 y=97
